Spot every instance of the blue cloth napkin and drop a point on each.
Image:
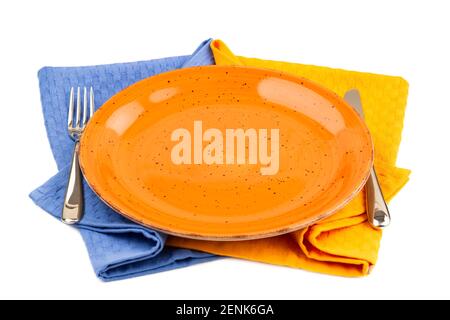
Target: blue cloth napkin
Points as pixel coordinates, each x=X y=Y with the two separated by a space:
x=118 y=248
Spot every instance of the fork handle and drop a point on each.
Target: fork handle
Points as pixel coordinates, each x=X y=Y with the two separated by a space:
x=72 y=211
x=377 y=210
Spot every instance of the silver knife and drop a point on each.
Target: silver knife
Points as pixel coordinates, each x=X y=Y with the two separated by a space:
x=377 y=210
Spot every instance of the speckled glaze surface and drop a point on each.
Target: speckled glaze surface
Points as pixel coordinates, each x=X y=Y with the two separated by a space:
x=325 y=153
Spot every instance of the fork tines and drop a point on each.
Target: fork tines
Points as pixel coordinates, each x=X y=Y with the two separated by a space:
x=81 y=116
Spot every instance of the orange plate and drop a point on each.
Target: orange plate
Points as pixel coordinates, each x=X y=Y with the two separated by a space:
x=325 y=152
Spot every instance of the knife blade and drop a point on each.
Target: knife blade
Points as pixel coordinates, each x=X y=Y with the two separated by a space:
x=377 y=211
x=353 y=98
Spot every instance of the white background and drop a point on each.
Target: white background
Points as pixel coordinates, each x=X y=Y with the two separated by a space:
x=42 y=258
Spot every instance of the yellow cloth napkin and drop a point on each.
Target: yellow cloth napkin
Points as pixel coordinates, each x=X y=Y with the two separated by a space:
x=343 y=244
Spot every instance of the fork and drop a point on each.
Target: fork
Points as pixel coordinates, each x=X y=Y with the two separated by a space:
x=77 y=119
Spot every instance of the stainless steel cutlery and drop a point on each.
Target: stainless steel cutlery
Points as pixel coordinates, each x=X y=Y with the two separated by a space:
x=80 y=111
x=377 y=210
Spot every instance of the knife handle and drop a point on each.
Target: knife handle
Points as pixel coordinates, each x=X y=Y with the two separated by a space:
x=377 y=210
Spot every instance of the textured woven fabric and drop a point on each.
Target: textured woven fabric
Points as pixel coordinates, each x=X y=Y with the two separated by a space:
x=117 y=248
x=343 y=244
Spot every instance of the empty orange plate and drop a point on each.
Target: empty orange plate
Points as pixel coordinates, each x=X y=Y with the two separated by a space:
x=226 y=153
